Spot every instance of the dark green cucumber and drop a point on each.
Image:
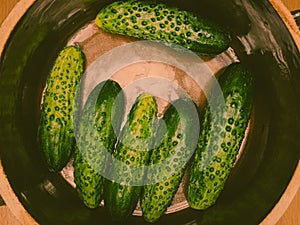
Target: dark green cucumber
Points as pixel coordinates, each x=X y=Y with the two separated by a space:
x=176 y=141
x=96 y=135
x=132 y=150
x=157 y=21
x=56 y=133
x=222 y=134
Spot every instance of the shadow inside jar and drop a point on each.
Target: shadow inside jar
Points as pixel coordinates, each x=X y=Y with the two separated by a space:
x=1 y=201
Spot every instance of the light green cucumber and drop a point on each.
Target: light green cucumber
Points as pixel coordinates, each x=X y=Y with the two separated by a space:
x=176 y=141
x=56 y=133
x=157 y=21
x=221 y=137
x=96 y=136
x=133 y=151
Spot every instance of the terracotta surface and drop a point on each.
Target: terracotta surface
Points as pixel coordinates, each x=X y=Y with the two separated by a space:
x=291 y=207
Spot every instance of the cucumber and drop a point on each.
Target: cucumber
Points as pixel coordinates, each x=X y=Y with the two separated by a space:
x=157 y=21
x=221 y=137
x=55 y=132
x=96 y=135
x=133 y=151
x=176 y=141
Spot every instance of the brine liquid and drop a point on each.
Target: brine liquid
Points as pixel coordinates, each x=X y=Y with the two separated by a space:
x=96 y=43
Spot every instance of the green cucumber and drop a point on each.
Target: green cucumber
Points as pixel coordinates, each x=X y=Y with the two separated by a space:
x=176 y=141
x=222 y=134
x=56 y=133
x=132 y=150
x=157 y=21
x=96 y=135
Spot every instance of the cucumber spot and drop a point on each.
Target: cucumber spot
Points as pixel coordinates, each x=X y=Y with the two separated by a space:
x=133 y=19
x=230 y=120
x=175 y=143
x=228 y=128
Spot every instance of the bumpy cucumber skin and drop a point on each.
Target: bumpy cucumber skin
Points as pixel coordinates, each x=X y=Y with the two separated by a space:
x=133 y=149
x=97 y=132
x=219 y=141
x=175 y=136
x=56 y=133
x=156 y=21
